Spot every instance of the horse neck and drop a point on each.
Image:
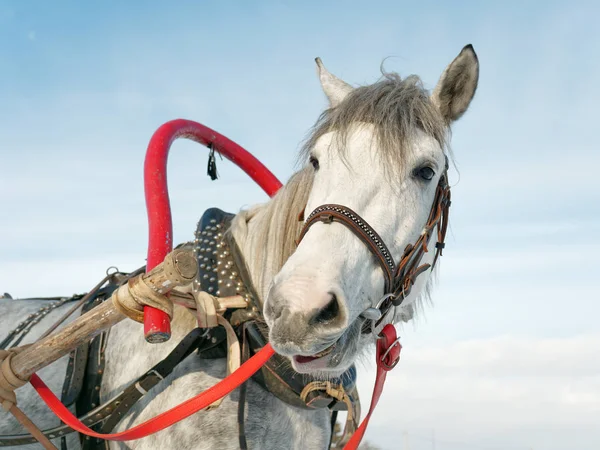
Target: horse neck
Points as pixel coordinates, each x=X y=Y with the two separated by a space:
x=266 y=233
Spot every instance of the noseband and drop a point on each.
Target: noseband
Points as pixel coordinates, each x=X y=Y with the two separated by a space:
x=399 y=278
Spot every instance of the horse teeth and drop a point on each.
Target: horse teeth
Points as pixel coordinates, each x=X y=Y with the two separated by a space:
x=325 y=352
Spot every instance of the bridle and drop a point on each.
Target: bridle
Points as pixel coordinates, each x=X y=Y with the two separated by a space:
x=399 y=278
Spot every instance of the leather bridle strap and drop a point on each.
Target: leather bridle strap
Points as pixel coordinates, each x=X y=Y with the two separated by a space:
x=408 y=268
x=342 y=214
x=399 y=278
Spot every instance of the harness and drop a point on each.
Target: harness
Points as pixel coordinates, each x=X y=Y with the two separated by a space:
x=222 y=272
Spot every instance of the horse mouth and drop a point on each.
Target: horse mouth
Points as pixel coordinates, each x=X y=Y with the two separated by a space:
x=329 y=359
x=300 y=359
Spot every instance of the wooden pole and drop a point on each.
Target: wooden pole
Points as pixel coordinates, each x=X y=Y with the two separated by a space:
x=178 y=269
x=44 y=352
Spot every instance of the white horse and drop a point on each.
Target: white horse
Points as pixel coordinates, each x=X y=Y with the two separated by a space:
x=380 y=150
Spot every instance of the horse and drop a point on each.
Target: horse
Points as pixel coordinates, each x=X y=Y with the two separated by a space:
x=377 y=156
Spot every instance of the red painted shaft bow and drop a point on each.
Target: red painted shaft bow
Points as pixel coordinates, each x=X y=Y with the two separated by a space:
x=156 y=323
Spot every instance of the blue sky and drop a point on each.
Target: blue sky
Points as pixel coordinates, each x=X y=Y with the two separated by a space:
x=506 y=356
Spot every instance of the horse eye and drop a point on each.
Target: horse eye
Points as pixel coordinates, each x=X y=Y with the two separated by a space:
x=315 y=162
x=426 y=173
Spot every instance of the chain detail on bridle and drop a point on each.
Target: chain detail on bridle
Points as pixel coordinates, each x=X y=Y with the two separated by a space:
x=399 y=278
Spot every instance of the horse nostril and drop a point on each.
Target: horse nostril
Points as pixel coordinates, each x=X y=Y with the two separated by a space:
x=329 y=312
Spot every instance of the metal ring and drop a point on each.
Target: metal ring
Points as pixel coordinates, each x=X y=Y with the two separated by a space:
x=206 y=333
x=382 y=360
x=384 y=298
x=112 y=267
x=384 y=316
x=390 y=367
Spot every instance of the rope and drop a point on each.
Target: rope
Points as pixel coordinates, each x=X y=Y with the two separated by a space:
x=131 y=298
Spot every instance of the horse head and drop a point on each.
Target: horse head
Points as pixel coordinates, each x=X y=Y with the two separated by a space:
x=379 y=153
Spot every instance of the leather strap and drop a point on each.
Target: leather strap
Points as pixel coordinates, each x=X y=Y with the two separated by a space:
x=243 y=391
x=388 y=355
x=344 y=215
x=151 y=378
x=31 y=427
x=114 y=410
x=167 y=418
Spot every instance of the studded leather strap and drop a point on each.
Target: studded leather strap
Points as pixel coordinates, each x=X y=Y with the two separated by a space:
x=338 y=213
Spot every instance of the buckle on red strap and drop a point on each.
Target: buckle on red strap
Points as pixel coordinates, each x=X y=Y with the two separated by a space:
x=388 y=355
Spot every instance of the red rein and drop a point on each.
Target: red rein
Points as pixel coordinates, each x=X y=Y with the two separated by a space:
x=156 y=323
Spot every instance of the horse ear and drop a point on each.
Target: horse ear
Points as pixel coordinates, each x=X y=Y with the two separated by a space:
x=335 y=89
x=457 y=85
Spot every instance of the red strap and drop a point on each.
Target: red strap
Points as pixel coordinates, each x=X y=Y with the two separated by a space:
x=168 y=418
x=388 y=354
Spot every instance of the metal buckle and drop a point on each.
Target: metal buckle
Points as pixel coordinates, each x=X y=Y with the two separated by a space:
x=395 y=362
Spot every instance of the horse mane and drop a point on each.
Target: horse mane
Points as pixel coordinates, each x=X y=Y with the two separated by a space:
x=277 y=229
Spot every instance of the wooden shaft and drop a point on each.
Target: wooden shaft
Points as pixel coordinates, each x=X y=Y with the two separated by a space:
x=178 y=268
x=44 y=352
